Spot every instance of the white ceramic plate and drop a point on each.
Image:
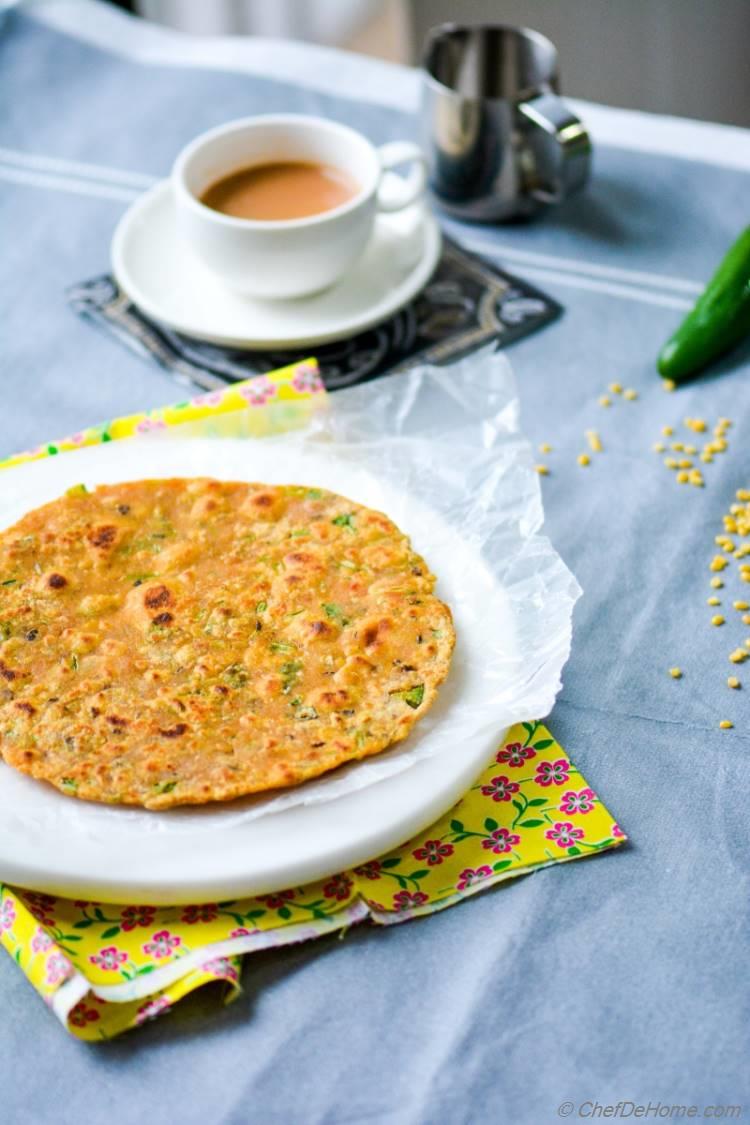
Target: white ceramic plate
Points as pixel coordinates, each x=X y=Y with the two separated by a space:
x=168 y=283
x=80 y=849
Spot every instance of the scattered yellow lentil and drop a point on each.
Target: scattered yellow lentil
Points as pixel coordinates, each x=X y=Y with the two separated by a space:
x=545 y=447
x=630 y=394
x=742 y=550
x=742 y=494
x=739 y=656
x=615 y=388
x=713 y=600
x=604 y=401
x=676 y=673
x=716 y=583
x=584 y=459
x=696 y=478
x=682 y=477
x=658 y=447
x=720 y=445
x=667 y=431
x=725 y=423
x=691 y=450
x=733 y=682
x=595 y=442
x=684 y=464
x=717 y=619
x=707 y=458
x=697 y=425
x=670 y=462
x=725 y=724
x=542 y=470
x=741 y=605
x=718 y=563
x=669 y=384
x=678 y=446
x=746 y=618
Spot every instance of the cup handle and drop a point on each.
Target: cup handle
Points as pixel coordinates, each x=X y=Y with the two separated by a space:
x=411 y=185
x=561 y=147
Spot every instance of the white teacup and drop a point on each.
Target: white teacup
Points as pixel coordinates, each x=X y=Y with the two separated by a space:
x=290 y=257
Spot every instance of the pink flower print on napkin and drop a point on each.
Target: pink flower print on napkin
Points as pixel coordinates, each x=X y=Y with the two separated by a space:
x=405 y=900
x=41 y=940
x=204 y=912
x=133 y=916
x=151 y=1009
x=7 y=914
x=564 y=834
x=306 y=378
x=82 y=1014
x=276 y=901
x=338 y=887
x=222 y=968
x=434 y=852
x=515 y=755
x=370 y=870
x=617 y=832
x=162 y=944
x=259 y=391
x=503 y=840
x=582 y=801
x=213 y=398
x=500 y=788
x=472 y=875
x=552 y=773
x=58 y=968
x=109 y=959
x=150 y=425
x=40 y=906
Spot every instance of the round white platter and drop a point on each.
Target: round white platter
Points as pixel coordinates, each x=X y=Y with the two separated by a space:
x=69 y=847
x=161 y=276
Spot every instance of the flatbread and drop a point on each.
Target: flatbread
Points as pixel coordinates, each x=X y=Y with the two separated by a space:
x=171 y=642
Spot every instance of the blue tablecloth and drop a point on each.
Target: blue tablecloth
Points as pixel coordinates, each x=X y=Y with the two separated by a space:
x=615 y=979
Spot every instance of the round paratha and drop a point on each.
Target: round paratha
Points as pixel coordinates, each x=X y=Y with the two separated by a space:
x=170 y=642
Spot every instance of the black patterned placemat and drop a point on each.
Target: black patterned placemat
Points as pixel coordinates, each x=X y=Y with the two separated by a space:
x=467 y=302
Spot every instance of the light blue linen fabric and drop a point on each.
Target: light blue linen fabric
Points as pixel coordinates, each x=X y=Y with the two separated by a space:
x=619 y=978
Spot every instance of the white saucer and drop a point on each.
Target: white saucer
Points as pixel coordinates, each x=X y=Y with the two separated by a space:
x=163 y=278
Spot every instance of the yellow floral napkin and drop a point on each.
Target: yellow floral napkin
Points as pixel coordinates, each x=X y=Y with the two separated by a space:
x=105 y=968
x=266 y=404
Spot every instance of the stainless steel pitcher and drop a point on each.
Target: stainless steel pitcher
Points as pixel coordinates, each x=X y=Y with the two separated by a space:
x=501 y=143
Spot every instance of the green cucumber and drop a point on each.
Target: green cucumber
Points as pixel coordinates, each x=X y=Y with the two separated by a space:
x=719 y=320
